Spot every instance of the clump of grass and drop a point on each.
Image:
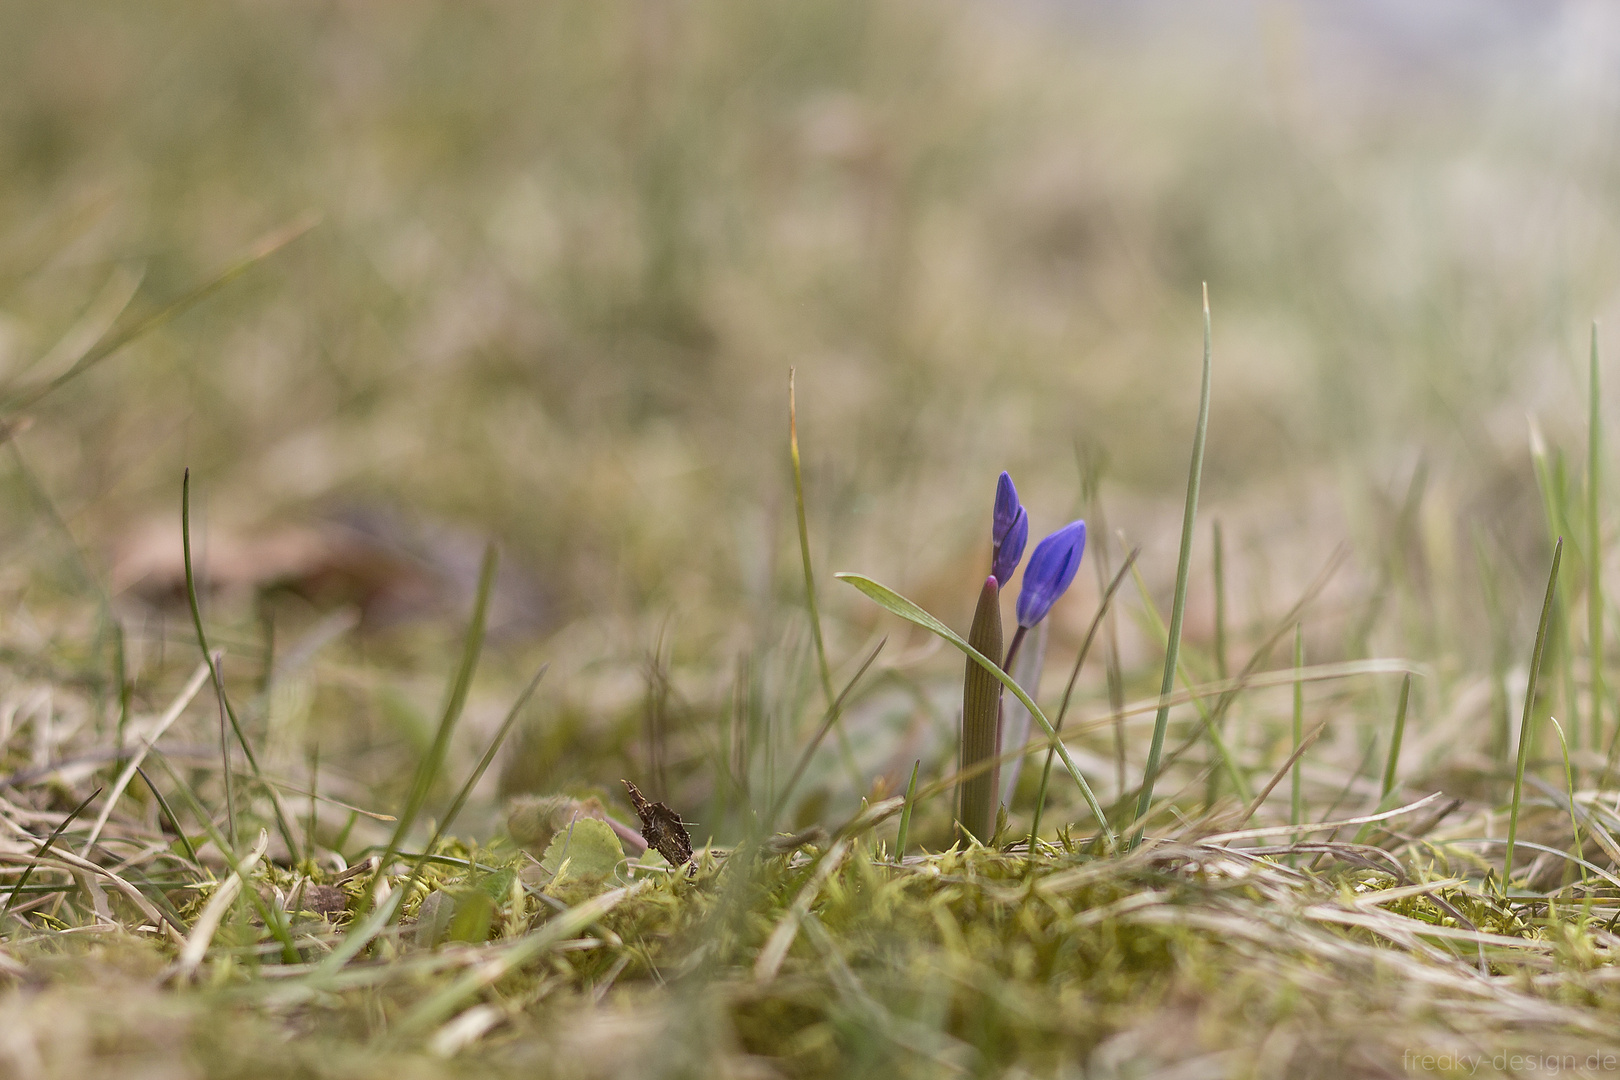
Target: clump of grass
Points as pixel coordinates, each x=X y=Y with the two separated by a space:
x=847 y=948
x=1464 y=905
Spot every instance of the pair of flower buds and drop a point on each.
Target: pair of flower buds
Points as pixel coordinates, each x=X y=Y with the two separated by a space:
x=1050 y=571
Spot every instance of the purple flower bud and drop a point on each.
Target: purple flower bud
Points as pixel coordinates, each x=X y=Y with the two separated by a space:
x=1007 y=507
x=1005 y=555
x=1050 y=571
x=1009 y=532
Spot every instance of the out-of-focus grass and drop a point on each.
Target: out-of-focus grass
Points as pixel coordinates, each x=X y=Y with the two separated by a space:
x=568 y=251
x=566 y=254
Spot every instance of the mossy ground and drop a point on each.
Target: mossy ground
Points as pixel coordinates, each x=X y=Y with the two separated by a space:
x=553 y=262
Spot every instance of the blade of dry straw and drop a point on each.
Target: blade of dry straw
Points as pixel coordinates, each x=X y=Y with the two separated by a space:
x=28 y=871
x=169 y=717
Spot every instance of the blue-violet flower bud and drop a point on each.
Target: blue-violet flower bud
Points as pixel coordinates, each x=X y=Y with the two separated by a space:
x=1007 y=507
x=1050 y=571
x=1009 y=532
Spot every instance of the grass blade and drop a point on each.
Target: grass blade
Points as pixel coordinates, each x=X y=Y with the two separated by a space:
x=168 y=811
x=845 y=754
x=1247 y=678
x=1288 y=767
x=1178 y=607
x=570 y=923
x=274 y=919
x=896 y=604
x=1526 y=724
x=108 y=346
x=1552 y=477
x=170 y=715
x=1296 y=795
x=28 y=871
x=1394 y=758
x=905 y=815
x=1569 y=788
x=427 y=770
x=466 y=791
x=1103 y=608
x=1386 y=796
x=1208 y=717
x=1594 y=540
x=225 y=756
x=1220 y=601
x=834 y=711
x=213 y=669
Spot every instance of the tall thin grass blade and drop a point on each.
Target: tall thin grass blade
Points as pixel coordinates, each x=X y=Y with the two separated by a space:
x=1296 y=790
x=212 y=659
x=1552 y=479
x=1220 y=600
x=1594 y=548
x=845 y=753
x=427 y=770
x=168 y=812
x=1206 y=716
x=1178 y=608
x=830 y=721
x=450 y=815
x=1394 y=759
x=1527 y=723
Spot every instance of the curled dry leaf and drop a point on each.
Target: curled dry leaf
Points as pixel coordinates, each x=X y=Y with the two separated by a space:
x=662 y=828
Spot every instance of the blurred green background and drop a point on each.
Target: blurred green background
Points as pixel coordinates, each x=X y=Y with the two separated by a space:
x=568 y=250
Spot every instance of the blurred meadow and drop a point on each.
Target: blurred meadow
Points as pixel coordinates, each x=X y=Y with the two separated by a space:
x=542 y=272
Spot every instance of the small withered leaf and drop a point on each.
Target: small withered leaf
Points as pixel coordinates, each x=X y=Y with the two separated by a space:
x=662 y=828
x=327 y=901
